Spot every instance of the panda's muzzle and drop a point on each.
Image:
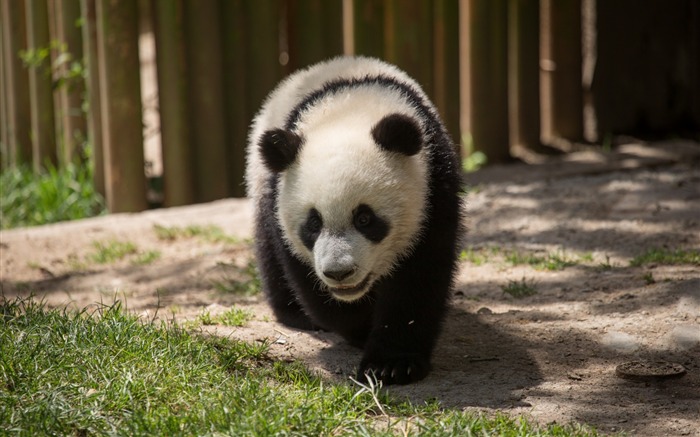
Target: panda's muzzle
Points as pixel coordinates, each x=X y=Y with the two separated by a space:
x=350 y=292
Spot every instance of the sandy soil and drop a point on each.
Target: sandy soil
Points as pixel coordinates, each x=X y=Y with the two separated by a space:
x=551 y=356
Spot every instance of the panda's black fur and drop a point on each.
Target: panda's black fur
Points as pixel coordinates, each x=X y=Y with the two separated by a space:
x=398 y=322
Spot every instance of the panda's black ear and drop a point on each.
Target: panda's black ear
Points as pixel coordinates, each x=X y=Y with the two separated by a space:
x=279 y=148
x=398 y=133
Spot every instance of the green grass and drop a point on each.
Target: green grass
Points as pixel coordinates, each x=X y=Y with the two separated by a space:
x=29 y=199
x=667 y=257
x=209 y=233
x=520 y=289
x=107 y=252
x=147 y=257
x=111 y=251
x=249 y=286
x=107 y=372
x=553 y=261
x=233 y=317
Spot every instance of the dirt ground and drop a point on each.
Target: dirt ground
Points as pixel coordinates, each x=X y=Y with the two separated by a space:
x=551 y=356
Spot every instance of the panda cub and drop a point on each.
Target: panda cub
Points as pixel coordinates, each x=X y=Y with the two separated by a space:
x=355 y=184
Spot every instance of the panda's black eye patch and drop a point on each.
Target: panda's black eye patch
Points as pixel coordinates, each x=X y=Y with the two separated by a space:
x=373 y=227
x=311 y=228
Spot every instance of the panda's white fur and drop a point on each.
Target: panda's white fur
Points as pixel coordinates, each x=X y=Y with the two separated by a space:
x=290 y=91
x=336 y=173
x=355 y=185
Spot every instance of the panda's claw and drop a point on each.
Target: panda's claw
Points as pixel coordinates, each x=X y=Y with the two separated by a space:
x=402 y=369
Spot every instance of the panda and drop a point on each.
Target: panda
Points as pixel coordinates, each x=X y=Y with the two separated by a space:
x=355 y=187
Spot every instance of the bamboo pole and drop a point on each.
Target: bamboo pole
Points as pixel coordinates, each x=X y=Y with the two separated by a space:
x=237 y=113
x=523 y=74
x=94 y=113
x=446 y=65
x=314 y=30
x=408 y=38
x=263 y=56
x=71 y=93
x=487 y=96
x=44 y=151
x=4 y=123
x=562 y=89
x=368 y=30
x=117 y=36
x=178 y=171
x=205 y=74
x=16 y=83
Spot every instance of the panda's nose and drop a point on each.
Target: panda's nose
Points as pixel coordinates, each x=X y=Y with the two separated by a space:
x=338 y=275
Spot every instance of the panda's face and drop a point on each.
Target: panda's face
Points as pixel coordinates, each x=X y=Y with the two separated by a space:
x=345 y=250
x=351 y=207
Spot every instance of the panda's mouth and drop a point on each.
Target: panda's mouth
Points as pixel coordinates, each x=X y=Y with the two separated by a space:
x=349 y=293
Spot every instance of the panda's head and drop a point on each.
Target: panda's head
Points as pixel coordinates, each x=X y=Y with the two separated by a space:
x=351 y=197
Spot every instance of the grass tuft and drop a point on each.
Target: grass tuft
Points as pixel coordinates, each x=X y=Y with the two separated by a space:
x=553 y=261
x=520 y=289
x=667 y=257
x=249 y=286
x=111 y=251
x=30 y=199
x=209 y=233
x=236 y=317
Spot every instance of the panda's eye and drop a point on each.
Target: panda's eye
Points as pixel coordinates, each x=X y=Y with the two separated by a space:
x=363 y=219
x=311 y=228
x=373 y=227
x=314 y=222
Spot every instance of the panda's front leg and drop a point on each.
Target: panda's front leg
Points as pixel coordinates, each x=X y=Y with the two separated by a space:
x=408 y=317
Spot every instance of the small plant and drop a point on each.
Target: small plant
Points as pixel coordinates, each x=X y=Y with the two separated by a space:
x=233 y=317
x=649 y=278
x=474 y=256
x=246 y=287
x=552 y=261
x=667 y=257
x=64 y=69
x=520 y=289
x=475 y=159
x=586 y=257
x=209 y=233
x=607 y=265
x=112 y=251
x=31 y=199
x=144 y=258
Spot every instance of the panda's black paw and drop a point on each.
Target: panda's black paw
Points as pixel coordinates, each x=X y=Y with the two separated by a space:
x=393 y=368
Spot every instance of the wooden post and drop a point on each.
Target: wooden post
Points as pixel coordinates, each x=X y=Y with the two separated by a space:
x=562 y=91
x=238 y=115
x=486 y=94
x=314 y=31
x=71 y=94
x=205 y=74
x=524 y=74
x=263 y=56
x=44 y=149
x=368 y=31
x=117 y=35
x=16 y=83
x=4 y=123
x=446 y=64
x=408 y=38
x=178 y=168
x=94 y=113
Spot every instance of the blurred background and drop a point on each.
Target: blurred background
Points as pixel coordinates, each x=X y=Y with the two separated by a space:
x=150 y=100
